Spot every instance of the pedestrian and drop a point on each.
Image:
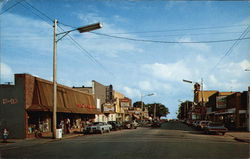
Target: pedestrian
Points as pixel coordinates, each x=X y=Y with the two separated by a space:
x=62 y=126
x=68 y=125
x=5 y=135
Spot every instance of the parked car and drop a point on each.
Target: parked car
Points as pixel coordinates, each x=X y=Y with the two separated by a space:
x=156 y=124
x=97 y=127
x=115 y=125
x=215 y=127
x=202 y=124
x=195 y=123
x=130 y=125
x=189 y=122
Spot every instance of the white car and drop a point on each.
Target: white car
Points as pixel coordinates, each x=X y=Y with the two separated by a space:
x=97 y=127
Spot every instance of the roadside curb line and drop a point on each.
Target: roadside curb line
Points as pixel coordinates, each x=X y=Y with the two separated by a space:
x=242 y=140
x=67 y=137
x=239 y=139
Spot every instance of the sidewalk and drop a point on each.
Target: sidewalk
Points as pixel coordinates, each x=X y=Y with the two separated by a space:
x=240 y=136
x=12 y=143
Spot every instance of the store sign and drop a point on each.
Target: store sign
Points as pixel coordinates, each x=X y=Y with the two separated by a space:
x=221 y=102
x=9 y=101
x=125 y=102
x=86 y=106
x=107 y=108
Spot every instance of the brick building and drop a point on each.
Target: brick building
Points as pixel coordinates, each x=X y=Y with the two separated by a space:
x=27 y=106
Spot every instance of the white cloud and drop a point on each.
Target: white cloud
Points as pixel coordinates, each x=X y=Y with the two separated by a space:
x=230 y=76
x=145 y=85
x=6 y=73
x=89 y=18
x=197 y=46
x=131 y=92
x=245 y=64
x=171 y=71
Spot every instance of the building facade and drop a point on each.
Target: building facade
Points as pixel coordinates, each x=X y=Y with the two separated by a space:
x=26 y=107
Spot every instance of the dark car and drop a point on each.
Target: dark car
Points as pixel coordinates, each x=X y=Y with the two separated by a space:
x=156 y=124
x=115 y=125
x=215 y=127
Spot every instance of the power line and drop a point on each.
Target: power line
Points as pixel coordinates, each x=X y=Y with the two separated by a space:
x=11 y=7
x=244 y=33
x=184 y=29
x=169 y=42
x=35 y=13
x=75 y=42
x=39 y=11
x=170 y=30
x=87 y=53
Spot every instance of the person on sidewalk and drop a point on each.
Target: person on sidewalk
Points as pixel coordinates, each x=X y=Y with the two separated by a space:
x=5 y=135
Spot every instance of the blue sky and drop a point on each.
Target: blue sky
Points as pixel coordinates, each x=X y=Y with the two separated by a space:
x=132 y=67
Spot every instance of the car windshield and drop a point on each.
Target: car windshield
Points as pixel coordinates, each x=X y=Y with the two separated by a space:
x=97 y=123
x=216 y=124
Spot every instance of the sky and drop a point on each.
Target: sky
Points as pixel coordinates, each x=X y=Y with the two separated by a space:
x=143 y=47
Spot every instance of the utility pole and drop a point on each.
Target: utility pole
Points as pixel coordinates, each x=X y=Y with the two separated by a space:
x=202 y=99
x=155 y=111
x=54 y=82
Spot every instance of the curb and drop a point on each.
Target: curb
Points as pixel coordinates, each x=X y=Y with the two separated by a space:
x=242 y=140
x=66 y=137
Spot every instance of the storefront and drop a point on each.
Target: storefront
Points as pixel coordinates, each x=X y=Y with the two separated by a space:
x=31 y=114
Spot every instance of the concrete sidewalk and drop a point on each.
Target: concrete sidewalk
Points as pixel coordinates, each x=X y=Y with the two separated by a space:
x=34 y=141
x=240 y=136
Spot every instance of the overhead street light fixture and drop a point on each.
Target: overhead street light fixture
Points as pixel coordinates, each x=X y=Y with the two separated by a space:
x=90 y=27
x=187 y=81
x=81 y=30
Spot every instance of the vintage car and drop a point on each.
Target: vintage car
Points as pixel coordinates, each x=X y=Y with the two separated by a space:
x=97 y=127
x=215 y=127
x=202 y=124
x=130 y=125
x=156 y=124
x=115 y=125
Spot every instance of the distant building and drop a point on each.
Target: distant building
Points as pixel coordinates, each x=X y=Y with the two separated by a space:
x=201 y=97
x=104 y=99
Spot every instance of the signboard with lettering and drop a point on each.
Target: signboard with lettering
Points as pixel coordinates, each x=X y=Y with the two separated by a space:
x=86 y=106
x=221 y=102
x=9 y=101
x=107 y=108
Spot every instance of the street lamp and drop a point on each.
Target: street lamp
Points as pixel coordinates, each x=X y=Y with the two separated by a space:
x=81 y=30
x=150 y=94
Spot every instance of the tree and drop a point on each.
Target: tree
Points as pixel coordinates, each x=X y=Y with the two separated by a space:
x=161 y=110
x=138 y=104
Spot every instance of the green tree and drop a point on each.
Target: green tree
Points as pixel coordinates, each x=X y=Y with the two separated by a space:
x=138 y=104
x=161 y=110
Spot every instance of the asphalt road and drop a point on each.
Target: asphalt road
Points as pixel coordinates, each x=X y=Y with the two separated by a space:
x=172 y=140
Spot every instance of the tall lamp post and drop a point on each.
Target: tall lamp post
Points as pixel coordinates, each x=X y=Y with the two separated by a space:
x=202 y=92
x=63 y=34
x=150 y=94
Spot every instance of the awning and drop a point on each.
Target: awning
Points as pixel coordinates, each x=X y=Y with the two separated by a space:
x=68 y=99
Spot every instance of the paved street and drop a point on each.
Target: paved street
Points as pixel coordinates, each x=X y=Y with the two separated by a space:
x=172 y=140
